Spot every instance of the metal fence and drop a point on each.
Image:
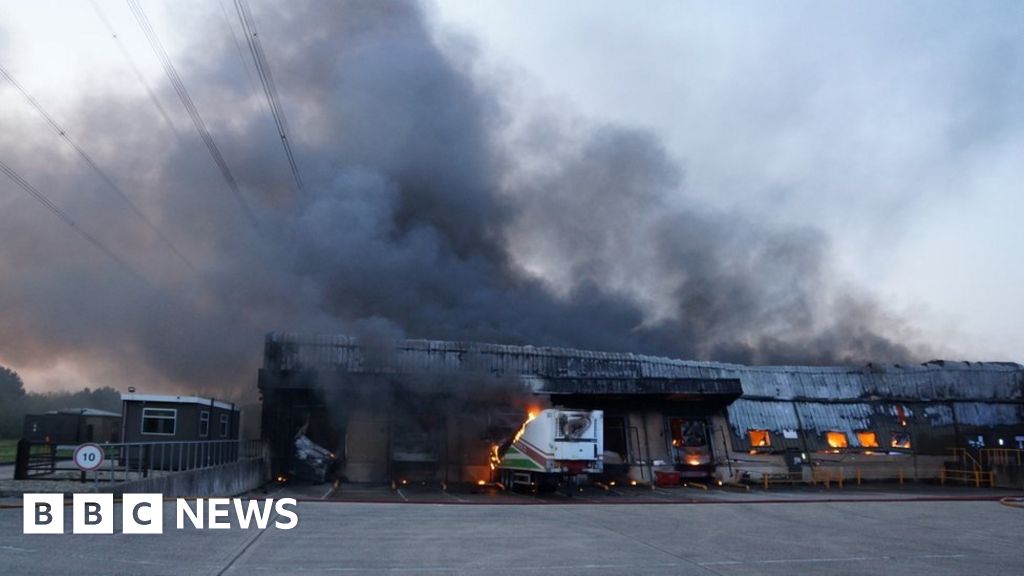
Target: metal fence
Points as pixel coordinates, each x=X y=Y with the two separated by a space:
x=130 y=460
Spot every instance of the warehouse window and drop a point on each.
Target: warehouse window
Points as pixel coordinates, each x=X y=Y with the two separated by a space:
x=837 y=439
x=759 y=438
x=867 y=439
x=159 y=421
x=900 y=440
x=204 y=423
x=223 y=425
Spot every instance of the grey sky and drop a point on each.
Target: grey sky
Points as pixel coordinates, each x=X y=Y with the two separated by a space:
x=738 y=181
x=897 y=127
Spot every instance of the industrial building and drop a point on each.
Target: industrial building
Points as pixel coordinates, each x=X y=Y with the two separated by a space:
x=432 y=410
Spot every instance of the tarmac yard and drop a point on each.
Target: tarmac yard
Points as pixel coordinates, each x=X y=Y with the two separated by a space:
x=620 y=494
x=352 y=531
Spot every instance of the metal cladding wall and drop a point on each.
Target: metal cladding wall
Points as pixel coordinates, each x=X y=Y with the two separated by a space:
x=555 y=368
x=937 y=380
x=285 y=352
x=938 y=402
x=811 y=421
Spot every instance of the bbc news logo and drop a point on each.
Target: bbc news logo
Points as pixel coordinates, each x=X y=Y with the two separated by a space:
x=144 y=513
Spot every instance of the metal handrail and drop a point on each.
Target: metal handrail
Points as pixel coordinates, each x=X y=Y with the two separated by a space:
x=968 y=459
x=1002 y=456
x=125 y=461
x=978 y=476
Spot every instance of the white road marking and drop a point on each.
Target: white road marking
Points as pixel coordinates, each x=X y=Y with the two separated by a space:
x=453 y=496
x=836 y=559
x=15 y=549
x=399 y=490
x=449 y=569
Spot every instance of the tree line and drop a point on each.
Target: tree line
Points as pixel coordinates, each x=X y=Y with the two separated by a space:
x=15 y=402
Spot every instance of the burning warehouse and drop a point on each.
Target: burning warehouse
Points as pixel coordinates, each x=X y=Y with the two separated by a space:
x=438 y=411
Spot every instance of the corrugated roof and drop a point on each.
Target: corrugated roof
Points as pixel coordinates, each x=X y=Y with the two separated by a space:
x=974 y=414
x=757 y=415
x=937 y=380
x=84 y=412
x=777 y=416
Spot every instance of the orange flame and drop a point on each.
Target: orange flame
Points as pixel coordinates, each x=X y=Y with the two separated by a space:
x=530 y=416
x=495 y=458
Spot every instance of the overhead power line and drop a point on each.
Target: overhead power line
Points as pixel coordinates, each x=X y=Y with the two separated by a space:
x=138 y=73
x=190 y=107
x=95 y=167
x=49 y=205
x=273 y=101
x=238 y=45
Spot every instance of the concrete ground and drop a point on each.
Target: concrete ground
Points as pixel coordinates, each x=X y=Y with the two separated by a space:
x=794 y=532
x=602 y=494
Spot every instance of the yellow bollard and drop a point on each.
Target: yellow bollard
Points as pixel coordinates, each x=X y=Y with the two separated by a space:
x=901 y=476
x=765 y=478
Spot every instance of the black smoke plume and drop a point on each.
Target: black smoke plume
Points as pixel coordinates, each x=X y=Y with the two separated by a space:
x=421 y=217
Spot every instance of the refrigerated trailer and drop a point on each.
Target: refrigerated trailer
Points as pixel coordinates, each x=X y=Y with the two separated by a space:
x=553 y=446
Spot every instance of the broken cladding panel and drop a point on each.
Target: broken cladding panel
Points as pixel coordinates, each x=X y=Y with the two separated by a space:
x=1000 y=382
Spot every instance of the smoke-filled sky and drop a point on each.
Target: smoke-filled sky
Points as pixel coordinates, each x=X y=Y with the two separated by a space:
x=781 y=183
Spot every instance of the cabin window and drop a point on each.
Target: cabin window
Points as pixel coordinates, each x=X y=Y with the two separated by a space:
x=160 y=421
x=204 y=423
x=837 y=439
x=759 y=438
x=867 y=439
x=223 y=425
x=900 y=440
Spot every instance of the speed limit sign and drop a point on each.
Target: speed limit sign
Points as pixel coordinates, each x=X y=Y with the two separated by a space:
x=88 y=457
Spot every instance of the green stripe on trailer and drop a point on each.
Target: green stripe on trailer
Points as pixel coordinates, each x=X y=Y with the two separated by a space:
x=517 y=464
x=516 y=459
